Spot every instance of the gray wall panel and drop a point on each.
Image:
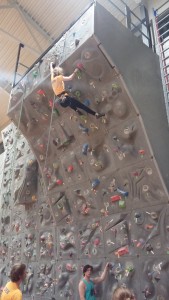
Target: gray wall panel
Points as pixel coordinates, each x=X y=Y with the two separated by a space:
x=140 y=69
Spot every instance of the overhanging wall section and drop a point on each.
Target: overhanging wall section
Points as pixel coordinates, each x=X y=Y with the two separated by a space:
x=140 y=69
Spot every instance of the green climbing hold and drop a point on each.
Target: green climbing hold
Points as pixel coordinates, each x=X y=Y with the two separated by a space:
x=122 y=204
x=56 y=111
x=35 y=74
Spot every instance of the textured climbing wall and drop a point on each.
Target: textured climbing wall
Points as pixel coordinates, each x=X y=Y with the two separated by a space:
x=79 y=189
x=2 y=158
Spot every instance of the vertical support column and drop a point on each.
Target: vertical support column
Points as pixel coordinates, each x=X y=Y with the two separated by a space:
x=17 y=62
x=128 y=17
x=145 y=26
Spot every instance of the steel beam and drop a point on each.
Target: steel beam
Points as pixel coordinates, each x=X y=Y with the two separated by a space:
x=28 y=28
x=17 y=62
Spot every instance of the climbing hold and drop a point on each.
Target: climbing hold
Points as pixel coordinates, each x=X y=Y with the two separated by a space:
x=77 y=94
x=41 y=93
x=149 y=226
x=154 y=215
x=84 y=129
x=122 y=192
x=122 y=203
x=139 y=218
x=85 y=209
x=70 y=169
x=94 y=251
x=41 y=146
x=35 y=74
x=69 y=87
x=115 y=198
x=98 y=164
x=145 y=188
x=56 y=141
x=93 y=126
x=56 y=112
x=87 y=55
x=78 y=74
x=85 y=149
x=136 y=174
x=140 y=243
x=115 y=85
x=129 y=270
x=77 y=42
x=122 y=251
x=74 y=118
x=92 y=83
x=116 y=89
x=34 y=198
x=59 y=182
x=83 y=118
x=141 y=152
x=149 y=248
x=146 y=293
x=50 y=102
x=86 y=102
x=80 y=67
x=96 y=242
x=104 y=95
x=56 y=165
x=95 y=183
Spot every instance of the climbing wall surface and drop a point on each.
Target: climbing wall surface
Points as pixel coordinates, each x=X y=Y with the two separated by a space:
x=96 y=193
x=2 y=158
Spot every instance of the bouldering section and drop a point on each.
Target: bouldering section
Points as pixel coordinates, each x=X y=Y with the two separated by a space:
x=19 y=189
x=78 y=189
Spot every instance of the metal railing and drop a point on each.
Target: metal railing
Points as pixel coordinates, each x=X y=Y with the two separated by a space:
x=139 y=25
x=162 y=38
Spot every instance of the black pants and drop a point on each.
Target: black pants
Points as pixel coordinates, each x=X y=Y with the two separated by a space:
x=75 y=104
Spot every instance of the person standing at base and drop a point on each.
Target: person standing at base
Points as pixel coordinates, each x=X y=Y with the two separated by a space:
x=57 y=80
x=11 y=291
x=122 y=293
x=86 y=285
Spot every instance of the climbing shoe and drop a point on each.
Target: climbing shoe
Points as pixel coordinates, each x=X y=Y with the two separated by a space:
x=99 y=115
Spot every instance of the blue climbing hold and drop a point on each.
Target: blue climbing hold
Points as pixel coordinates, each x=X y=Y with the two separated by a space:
x=86 y=102
x=85 y=148
x=95 y=183
x=84 y=129
x=123 y=193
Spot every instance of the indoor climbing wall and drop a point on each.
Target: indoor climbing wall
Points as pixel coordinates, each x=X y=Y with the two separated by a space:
x=19 y=189
x=78 y=189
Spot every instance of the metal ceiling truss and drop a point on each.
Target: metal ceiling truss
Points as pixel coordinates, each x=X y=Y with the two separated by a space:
x=31 y=20
x=18 y=41
x=29 y=29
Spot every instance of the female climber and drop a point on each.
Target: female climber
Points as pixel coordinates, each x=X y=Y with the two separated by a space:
x=57 y=80
x=122 y=293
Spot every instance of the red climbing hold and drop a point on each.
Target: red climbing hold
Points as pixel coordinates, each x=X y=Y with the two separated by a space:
x=115 y=198
x=59 y=182
x=70 y=169
x=41 y=92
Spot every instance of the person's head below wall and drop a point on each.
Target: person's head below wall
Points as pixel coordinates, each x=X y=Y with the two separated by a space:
x=86 y=268
x=18 y=272
x=123 y=293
